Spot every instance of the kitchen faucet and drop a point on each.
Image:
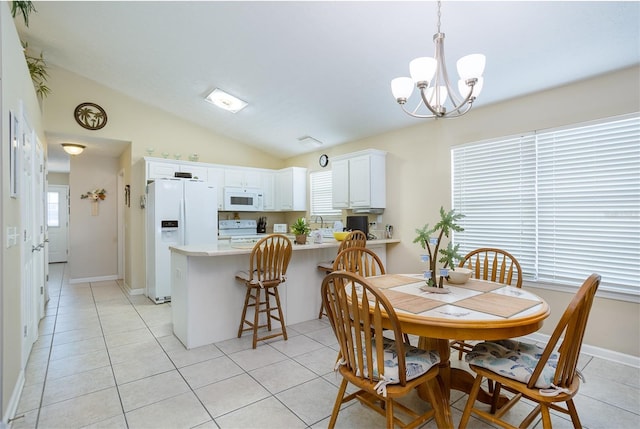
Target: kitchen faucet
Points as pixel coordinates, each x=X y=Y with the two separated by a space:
x=315 y=220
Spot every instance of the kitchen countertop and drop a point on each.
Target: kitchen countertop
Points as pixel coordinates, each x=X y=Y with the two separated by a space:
x=223 y=247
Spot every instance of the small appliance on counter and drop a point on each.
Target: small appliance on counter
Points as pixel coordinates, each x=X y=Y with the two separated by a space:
x=360 y=223
x=280 y=228
x=261 y=227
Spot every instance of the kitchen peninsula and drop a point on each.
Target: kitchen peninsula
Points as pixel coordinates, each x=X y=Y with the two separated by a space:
x=206 y=299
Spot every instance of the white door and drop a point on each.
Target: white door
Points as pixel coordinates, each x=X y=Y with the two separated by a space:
x=58 y=222
x=28 y=297
x=39 y=230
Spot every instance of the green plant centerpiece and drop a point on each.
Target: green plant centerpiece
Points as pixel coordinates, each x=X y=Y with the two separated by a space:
x=300 y=229
x=430 y=239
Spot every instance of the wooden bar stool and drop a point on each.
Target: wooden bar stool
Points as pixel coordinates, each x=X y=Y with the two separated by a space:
x=267 y=269
x=354 y=239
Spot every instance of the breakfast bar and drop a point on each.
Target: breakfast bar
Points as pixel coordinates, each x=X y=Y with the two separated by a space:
x=206 y=299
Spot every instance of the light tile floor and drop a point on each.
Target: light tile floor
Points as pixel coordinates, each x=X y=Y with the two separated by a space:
x=108 y=360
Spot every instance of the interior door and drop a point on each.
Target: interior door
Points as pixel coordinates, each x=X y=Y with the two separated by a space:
x=39 y=231
x=58 y=222
x=28 y=296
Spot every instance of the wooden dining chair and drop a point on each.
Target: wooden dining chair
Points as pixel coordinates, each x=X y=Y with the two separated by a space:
x=545 y=375
x=267 y=269
x=491 y=264
x=355 y=238
x=364 y=262
x=381 y=369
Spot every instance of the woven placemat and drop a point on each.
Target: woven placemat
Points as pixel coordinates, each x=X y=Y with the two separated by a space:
x=496 y=304
x=391 y=280
x=411 y=303
x=478 y=285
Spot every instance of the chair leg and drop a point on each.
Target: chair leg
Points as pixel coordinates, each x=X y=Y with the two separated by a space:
x=470 y=402
x=336 y=405
x=321 y=312
x=389 y=413
x=244 y=312
x=573 y=413
x=256 y=315
x=281 y=316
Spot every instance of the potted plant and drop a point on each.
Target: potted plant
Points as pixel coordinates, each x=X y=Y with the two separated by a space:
x=301 y=229
x=427 y=239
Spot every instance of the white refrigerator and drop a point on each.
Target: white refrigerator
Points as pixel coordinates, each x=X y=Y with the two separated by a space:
x=179 y=212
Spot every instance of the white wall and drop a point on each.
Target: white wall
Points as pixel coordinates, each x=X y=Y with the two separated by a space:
x=419 y=170
x=15 y=86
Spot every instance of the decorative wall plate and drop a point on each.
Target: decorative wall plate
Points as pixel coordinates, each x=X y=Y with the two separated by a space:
x=90 y=116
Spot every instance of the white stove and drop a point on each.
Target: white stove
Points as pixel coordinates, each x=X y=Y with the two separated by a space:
x=234 y=228
x=239 y=231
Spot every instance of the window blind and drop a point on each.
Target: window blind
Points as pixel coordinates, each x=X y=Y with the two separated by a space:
x=565 y=202
x=493 y=185
x=321 y=189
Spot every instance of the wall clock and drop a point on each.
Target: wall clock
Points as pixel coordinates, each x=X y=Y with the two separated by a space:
x=324 y=160
x=90 y=116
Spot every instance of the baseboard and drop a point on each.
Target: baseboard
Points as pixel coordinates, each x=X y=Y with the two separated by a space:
x=12 y=406
x=594 y=351
x=128 y=290
x=93 y=279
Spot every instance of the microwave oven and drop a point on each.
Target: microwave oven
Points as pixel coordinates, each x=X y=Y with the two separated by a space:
x=243 y=199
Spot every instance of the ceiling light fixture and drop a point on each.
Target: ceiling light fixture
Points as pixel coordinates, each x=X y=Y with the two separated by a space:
x=73 y=148
x=310 y=141
x=225 y=101
x=429 y=75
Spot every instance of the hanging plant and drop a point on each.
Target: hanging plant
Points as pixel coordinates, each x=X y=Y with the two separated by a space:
x=25 y=8
x=38 y=71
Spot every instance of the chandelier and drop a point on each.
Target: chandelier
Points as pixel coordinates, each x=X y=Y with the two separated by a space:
x=429 y=75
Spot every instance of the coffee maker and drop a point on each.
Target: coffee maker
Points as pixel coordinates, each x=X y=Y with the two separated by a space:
x=360 y=223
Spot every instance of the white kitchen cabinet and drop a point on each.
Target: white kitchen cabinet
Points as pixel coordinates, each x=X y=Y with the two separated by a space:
x=269 y=190
x=359 y=180
x=243 y=177
x=291 y=185
x=340 y=183
x=158 y=169
x=215 y=176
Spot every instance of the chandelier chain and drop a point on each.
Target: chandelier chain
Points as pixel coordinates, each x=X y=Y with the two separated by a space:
x=438 y=17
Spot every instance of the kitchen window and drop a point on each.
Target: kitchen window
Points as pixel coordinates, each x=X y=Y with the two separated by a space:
x=321 y=202
x=565 y=202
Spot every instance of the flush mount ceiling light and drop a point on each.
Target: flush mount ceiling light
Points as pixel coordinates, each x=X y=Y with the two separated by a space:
x=310 y=141
x=73 y=148
x=225 y=101
x=429 y=75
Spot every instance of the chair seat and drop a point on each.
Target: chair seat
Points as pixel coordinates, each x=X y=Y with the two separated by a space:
x=417 y=361
x=513 y=359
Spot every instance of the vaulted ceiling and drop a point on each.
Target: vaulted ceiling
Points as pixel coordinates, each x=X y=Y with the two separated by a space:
x=323 y=69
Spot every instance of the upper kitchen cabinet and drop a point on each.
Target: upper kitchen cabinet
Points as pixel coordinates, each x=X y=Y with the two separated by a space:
x=243 y=177
x=359 y=180
x=269 y=202
x=291 y=186
x=160 y=168
x=215 y=177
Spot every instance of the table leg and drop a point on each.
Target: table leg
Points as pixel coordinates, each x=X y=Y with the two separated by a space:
x=453 y=378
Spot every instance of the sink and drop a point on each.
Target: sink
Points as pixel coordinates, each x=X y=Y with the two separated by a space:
x=327 y=232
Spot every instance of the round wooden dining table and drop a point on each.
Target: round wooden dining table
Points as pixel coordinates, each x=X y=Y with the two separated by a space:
x=476 y=310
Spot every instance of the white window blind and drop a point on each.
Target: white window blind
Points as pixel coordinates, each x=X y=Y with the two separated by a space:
x=494 y=187
x=564 y=202
x=321 y=189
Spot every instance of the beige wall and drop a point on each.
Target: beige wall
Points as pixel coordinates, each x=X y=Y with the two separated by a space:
x=15 y=87
x=145 y=127
x=419 y=169
x=58 y=178
x=93 y=240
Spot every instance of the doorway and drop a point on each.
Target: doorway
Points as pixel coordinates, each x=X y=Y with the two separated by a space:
x=58 y=222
